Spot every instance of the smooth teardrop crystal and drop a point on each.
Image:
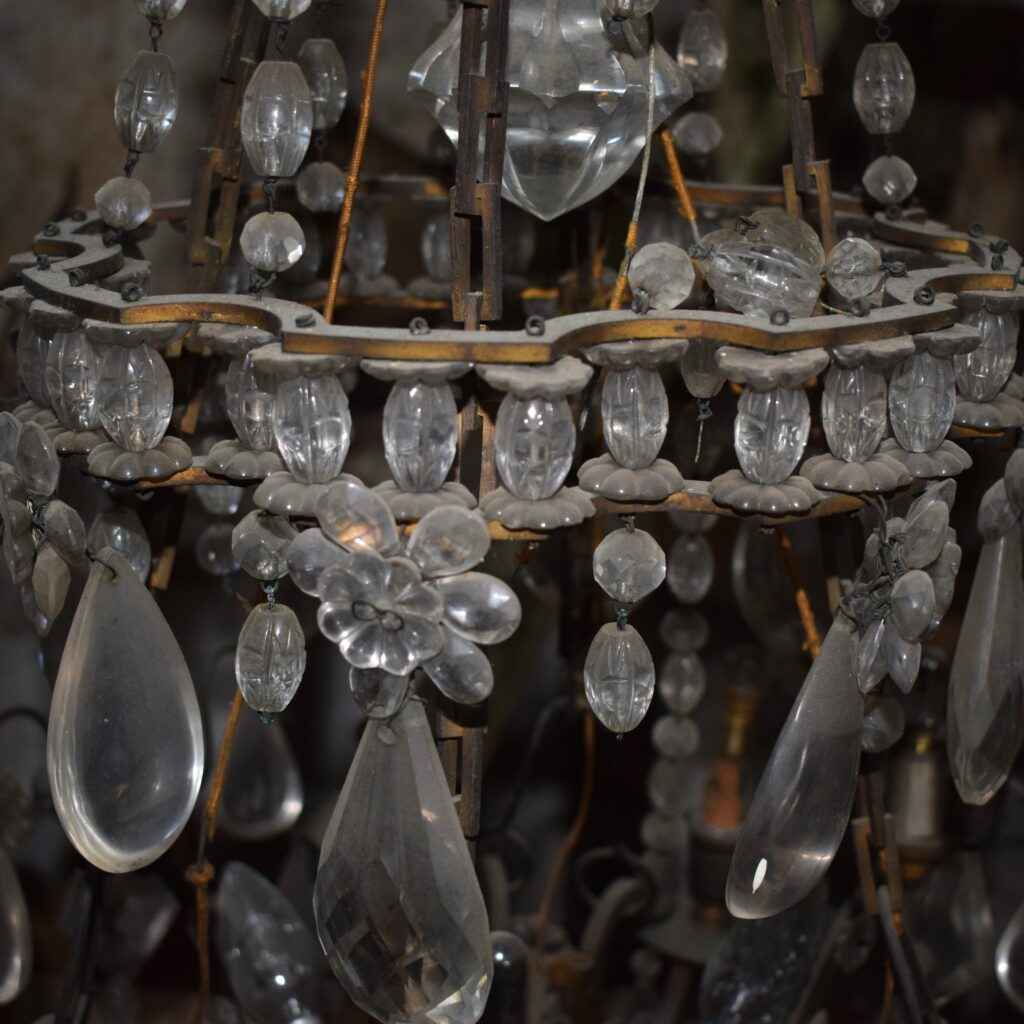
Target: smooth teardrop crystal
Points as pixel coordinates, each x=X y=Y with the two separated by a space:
x=985 y=712
x=397 y=904
x=534 y=440
x=770 y=432
x=328 y=81
x=853 y=412
x=135 y=395
x=682 y=682
x=15 y=934
x=703 y=49
x=629 y=565
x=146 y=101
x=663 y=273
x=618 y=677
x=634 y=409
x=122 y=530
x=981 y=374
x=420 y=434
x=313 y=427
x=250 y=404
x=802 y=805
x=277 y=118
x=922 y=399
x=883 y=88
x=72 y=377
x=125 y=739
x=270 y=658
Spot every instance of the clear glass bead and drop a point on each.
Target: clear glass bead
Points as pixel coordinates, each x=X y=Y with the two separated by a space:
x=15 y=934
x=684 y=630
x=327 y=79
x=260 y=544
x=854 y=268
x=703 y=49
x=922 y=398
x=436 y=247
x=420 y=434
x=146 y=101
x=534 y=439
x=853 y=412
x=72 y=375
x=758 y=279
x=33 y=349
x=124 y=203
x=770 y=432
x=634 y=408
x=697 y=133
x=663 y=273
x=270 y=658
x=282 y=10
x=122 y=530
x=320 y=187
x=628 y=565
x=250 y=404
x=161 y=10
x=220 y=499
x=675 y=736
x=367 y=251
x=36 y=460
x=313 y=427
x=876 y=8
x=135 y=396
x=983 y=373
x=666 y=789
x=783 y=231
x=618 y=677
x=691 y=568
x=889 y=180
x=277 y=116
x=883 y=88
x=682 y=682
x=272 y=242
x=664 y=832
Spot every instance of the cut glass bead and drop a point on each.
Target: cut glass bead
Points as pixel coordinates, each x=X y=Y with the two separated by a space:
x=272 y=242
x=703 y=49
x=760 y=279
x=770 y=432
x=629 y=565
x=883 y=88
x=124 y=203
x=33 y=349
x=378 y=693
x=320 y=187
x=327 y=79
x=675 y=736
x=309 y=555
x=783 y=231
x=634 y=410
x=420 y=434
x=146 y=101
x=534 y=440
x=250 y=404
x=260 y=543
x=312 y=426
x=697 y=133
x=36 y=460
x=691 y=568
x=122 y=530
x=213 y=550
x=854 y=268
x=982 y=374
x=922 y=399
x=663 y=273
x=618 y=677
x=853 y=412
x=682 y=682
x=270 y=658
x=277 y=115
x=72 y=375
x=684 y=629
x=135 y=396
x=876 y=8
x=161 y=10
x=436 y=248
x=889 y=180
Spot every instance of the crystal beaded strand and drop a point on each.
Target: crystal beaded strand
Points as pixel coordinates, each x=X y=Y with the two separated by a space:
x=703 y=53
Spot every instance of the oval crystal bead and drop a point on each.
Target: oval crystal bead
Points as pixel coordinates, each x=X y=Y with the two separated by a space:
x=313 y=427
x=534 y=440
x=853 y=412
x=634 y=408
x=697 y=133
x=618 y=677
x=922 y=398
x=250 y=404
x=367 y=251
x=703 y=49
x=33 y=348
x=982 y=374
x=770 y=432
x=277 y=118
x=272 y=242
x=883 y=88
x=420 y=434
x=327 y=79
x=72 y=375
x=320 y=187
x=282 y=10
x=270 y=658
x=146 y=101
x=135 y=396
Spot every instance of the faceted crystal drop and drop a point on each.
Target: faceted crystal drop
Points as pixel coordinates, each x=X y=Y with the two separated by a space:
x=682 y=682
x=770 y=432
x=125 y=739
x=889 y=180
x=123 y=203
x=32 y=351
x=800 y=811
x=461 y=671
x=36 y=460
x=270 y=658
x=420 y=434
x=634 y=408
x=267 y=951
x=277 y=118
x=618 y=677
x=883 y=88
x=15 y=934
x=876 y=8
x=356 y=518
x=436 y=248
x=697 y=133
x=691 y=568
x=922 y=398
x=449 y=540
x=367 y=251
x=759 y=279
x=320 y=187
x=260 y=543
x=146 y=101
x=313 y=427
x=282 y=10
x=272 y=242
x=135 y=396
x=72 y=375
x=122 y=530
x=161 y=10
x=985 y=713
x=250 y=404
x=703 y=49
x=534 y=440
x=308 y=556
x=397 y=904
x=854 y=268
x=981 y=374
x=327 y=79
x=853 y=412
x=380 y=694
x=479 y=607
x=628 y=565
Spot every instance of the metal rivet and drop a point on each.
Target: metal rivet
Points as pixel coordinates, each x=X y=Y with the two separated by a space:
x=780 y=317
x=132 y=291
x=893 y=212
x=78 y=214
x=999 y=245
x=305 y=320
x=998 y=261
x=976 y=230
x=418 y=326
x=860 y=307
x=43 y=262
x=535 y=326
x=111 y=238
x=925 y=295
x=50 y=230
x=76 y=277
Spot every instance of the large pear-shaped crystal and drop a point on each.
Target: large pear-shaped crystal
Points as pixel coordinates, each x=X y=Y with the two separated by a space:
x=270 y=658
x=398 y=908
x=634 y=408
x=135 y=396
x=883 y=88
x=853 y=412
x=420 y=434
x=618 y=677
x=922 y=399
x=15 y=934
x=277 y=118
x=125 y=740
x=533 y=445
x=313 y=427
x=800 y=811
x=250 y=404
x=328 y=81
x=703 y=49
x=985 y=713
x=982 y=373
x=72 y=375
x=146 y=101
x=770 y=432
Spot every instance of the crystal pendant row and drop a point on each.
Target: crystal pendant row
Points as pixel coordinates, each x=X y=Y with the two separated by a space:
x=883 y=93
x=703 y=53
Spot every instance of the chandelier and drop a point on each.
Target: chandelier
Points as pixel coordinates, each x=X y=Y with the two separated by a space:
x=864 y=354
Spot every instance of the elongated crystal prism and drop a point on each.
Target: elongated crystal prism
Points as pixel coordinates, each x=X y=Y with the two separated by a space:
x=125 y=739
x=398 y=907
x=800 y=811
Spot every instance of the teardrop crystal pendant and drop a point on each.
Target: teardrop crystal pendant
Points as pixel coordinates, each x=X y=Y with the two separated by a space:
x=398 y=908
x=125 y=739
x=800 y=810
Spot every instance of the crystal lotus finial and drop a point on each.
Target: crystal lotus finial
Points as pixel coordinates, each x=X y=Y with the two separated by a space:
x=277 y=117
x=328 y=81
x=320 y=187
x=398 y=907
x=125 y=739
x=146 y=101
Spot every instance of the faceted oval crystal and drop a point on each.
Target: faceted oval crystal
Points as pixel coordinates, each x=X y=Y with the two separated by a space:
x=125 y=739
x=534 y=440
x=922 y=399
x=449 y=540
x=436 y=247
x=618 y=677
x=981 y=374
x=853 y=412
x=320 y=187
x=697 y=133
x=146 y=101
x=135 y=396
x=854 y=268
x=760 y=279
x=36 y=460
x=15 y=934
x=33 y=349
x=161 y=10
x=663 y=273
x=250 y=404
x=883 y=88
x=461 y=671
x=312 y=426
x=682 y=682
x=675 y=736
x=282 y=10
x=378 y=693
x=397 y=903
x=122 y=530
x=260 y=543
x=703 y=49
x=367 y=250
x=889 y=180
x=479 y=607
x=72 y=375
x=277 y=116
x=272 y=242
x=628 y=565
x=876 y=8
x=420 y=434
x=770 y=432
x=634 y=409
x=356 y=518
x=691 y=568
x=124 y=203
x=327 y=79
x=270 y=658
x=308 y=556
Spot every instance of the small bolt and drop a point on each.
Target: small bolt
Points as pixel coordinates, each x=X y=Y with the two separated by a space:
x=860 y=307
x=641 y=301
x=111 y=238
x=745 y=224
x=76 y=277
x=897 y=268
x=925 y=295
x=893 y=212
x=998 y=261
x=999 y=245
x=535 y=326
x=418 y=326
x=78 y=214
x=780 y=317
x=131 y=291
x=50 y=229
x=976 y=230
x=305 y=320
x=42 y=262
